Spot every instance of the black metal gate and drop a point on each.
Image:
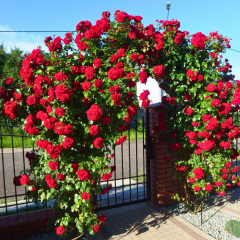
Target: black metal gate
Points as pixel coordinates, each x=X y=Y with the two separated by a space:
x=129 y=181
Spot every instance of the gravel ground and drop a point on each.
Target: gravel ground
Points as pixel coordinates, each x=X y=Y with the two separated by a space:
x=213 y=221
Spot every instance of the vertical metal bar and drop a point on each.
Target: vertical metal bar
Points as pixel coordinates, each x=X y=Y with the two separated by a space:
x=122 y=171
x=4 y=183
x=115 y=177
x=144 y=174
x=236 y=174
x=148 y=149
x=130 y=174
x=24 y=168
x=14 y=173
x=108 y=194
x=178 y=195
x=137 y=153
x=23 y=147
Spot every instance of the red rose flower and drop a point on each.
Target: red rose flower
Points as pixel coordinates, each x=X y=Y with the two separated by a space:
x=187 y=97
x=208 y=187
x=60 y=230
x=53 y=165
x=132 y=35
x=75 y=167
x=219 y=184
x=121 y=52
x=89 y=72
x=106 y=176
x=198 y=150
x=68 y=142
x=134 y=57
x=98 y=142
x=60 y=76
x=24 y=179
x=221 y=193
x=211 y=87
x=225 y=145
x=51 y=183
x=199 y=173
x=181 y=168
x=94 y=113
x=197 y=189
x=96 y=228
x=113 y=74
x=191 y=180
x=212 y=124
x=114 y=58
x=31 y=100
x=16 y=181
x=195 y=124
x=225 y=108
x=200 y=77
x=98 y=83
x=159 y=71
x=188 y=111
x=228 y=164
x=86 y=86
x=60 y=111
x=83 y=174
x=207 y=144
x=75 y=85
x=60 y=177
x=102 y=218
x=8 y=81
x=215 y=102
x=85 y=196
x=206 y=118
x=94 y=130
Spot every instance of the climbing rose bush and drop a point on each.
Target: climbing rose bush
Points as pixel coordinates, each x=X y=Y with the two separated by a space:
x=196 y=119
x=76 y=104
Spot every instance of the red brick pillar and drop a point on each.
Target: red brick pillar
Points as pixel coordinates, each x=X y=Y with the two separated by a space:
x=162 y=185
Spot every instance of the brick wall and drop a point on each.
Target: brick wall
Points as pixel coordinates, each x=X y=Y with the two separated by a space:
x=162 y=184
x=24 y=224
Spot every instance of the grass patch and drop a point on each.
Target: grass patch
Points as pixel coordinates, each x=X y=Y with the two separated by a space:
x=18 y=141
x=132 y=136
x=22 y=210
x=8 y=201
x=140 y=179
x=233 y=227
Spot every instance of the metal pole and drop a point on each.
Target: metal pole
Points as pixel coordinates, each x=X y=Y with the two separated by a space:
x=148 y=152
x=168 y=8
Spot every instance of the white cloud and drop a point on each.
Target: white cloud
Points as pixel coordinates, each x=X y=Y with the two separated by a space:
x=22 y=40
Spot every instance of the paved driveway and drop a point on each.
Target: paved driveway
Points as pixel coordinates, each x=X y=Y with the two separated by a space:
x=129 y=160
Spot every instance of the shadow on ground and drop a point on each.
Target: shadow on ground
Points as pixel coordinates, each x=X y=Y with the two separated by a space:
x=138 y=218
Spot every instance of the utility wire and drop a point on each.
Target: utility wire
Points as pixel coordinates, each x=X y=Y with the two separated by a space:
x=234 y=50
x=38 y=31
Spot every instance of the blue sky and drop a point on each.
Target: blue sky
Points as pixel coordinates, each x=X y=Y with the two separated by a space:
x=195 y=16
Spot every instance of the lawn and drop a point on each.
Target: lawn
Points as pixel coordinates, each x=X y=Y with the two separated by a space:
x=19 y=139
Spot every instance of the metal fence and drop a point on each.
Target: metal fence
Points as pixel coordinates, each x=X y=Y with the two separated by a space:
x=129 y=181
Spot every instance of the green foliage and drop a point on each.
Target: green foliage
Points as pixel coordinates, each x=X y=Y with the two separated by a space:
x=10 y=63
x=233 y=227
